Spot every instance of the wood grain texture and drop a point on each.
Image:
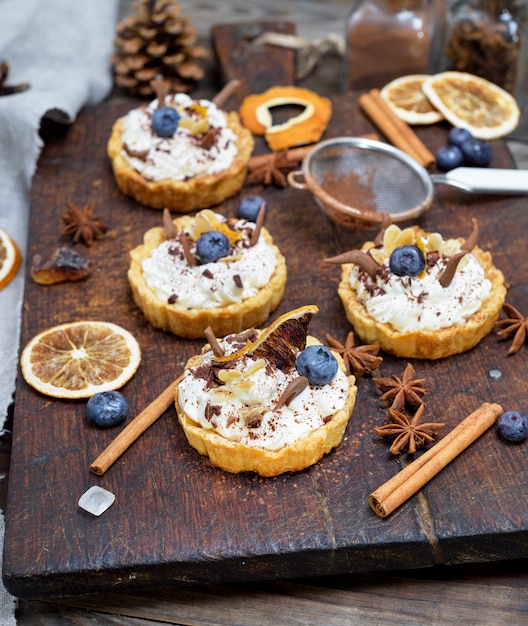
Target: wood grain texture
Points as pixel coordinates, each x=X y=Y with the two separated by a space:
x=176 y=519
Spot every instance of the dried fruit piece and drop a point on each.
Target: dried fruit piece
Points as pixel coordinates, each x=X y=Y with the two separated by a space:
x=10 y=258
x=80 y=359
x=64 y=264
x=280 y=341
x=474 y=103
x=305 y=128
x=407 y=99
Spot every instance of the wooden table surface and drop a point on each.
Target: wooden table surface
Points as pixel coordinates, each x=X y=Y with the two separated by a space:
x=492 y=593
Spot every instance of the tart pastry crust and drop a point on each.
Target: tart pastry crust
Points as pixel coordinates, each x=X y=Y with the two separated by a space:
x=191 y=323
x=236 y=457
x=182 y=196
x=424 y=344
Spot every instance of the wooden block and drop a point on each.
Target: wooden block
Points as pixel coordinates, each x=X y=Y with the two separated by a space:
x=258 y=66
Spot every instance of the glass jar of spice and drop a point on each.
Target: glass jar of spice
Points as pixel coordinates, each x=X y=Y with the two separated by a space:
x=386 y=39
x=489 y=38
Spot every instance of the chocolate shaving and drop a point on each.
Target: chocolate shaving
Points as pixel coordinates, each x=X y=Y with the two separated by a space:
x=208 y=139
x=359 y=258
x=138 y=154
x=292 y=390
x=161 y=88
x=253 y=420
x=185 y=241
x=472 y=240
x=213 y=342
x=258 y=224
x=386 y=221
x=449 y=273
x=168 y=225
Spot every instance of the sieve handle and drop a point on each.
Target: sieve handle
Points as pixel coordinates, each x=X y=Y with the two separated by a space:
x=485 y=180
x=296 y=179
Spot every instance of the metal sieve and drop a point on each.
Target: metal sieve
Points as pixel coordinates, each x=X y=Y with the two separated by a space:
x=355 y=180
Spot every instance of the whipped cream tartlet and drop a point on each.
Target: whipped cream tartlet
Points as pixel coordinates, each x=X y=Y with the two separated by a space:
x=248 y=410
x=182 y=289
x=192 y=156
x=419 y=295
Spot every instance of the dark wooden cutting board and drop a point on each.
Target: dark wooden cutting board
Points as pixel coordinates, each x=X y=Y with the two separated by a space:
x=178 y=520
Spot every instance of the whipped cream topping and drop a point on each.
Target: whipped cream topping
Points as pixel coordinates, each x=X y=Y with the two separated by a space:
x=183 y=155
x=410 y=303
x=229 y=280
x=242 y=407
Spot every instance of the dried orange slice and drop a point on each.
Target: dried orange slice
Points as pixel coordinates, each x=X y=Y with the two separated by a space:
x=468 y=101
x=281 y=340
x=407 y=99
x=10 y=258
x=79 y=359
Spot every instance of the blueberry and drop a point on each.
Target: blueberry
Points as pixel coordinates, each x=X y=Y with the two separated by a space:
x=212 y=245
x=249 y=208
x=318 y=364
x=165 y=121
x=476 y=152
x=449 y=157
x=407 y=260
x=513 y=425
x=107 y=408
x=457 y=136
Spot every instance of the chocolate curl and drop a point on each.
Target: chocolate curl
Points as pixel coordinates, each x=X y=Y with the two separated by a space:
x=213 y=342
x=472 y=240
x=161 y=88
x=292 y=390
x=186 y=245
x=258 y=224
x=226 y=92
x=168 y=225
x=359 y=258
x=451 y=267
x=386 y=221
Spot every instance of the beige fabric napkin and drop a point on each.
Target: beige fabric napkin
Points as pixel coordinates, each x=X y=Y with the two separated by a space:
x=62 y=48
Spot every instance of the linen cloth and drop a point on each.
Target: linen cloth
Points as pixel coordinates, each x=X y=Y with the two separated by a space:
x=62 y=48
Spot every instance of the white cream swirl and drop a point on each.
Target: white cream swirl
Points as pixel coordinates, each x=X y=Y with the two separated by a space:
x=229 y=280
x=411 y=303
x=180 y=156
x=250 y=392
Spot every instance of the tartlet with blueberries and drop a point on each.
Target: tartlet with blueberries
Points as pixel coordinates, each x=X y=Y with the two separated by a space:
x=419 y=295
x=269 y=401
x=179 y=153
x=208 y=271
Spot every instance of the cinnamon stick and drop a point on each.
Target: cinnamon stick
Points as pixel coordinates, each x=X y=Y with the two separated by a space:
x=134 y=430
x=292 y=155
x=398 y=132
x=412 y=478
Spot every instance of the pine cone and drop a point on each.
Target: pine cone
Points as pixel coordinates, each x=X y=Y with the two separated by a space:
x=157 y=42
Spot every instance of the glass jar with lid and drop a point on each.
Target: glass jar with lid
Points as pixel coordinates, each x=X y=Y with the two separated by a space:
x=489 y=38
x=386 y=39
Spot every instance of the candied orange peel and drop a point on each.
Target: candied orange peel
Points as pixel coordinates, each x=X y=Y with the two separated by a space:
x=305 y=128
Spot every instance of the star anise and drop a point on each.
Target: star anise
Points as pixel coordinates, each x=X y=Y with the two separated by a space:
x=81 y=225
x=7 y=90
x=272 y=170
x=408 y=434
x=515 y=324
x=358 y=360
x=404 y=392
